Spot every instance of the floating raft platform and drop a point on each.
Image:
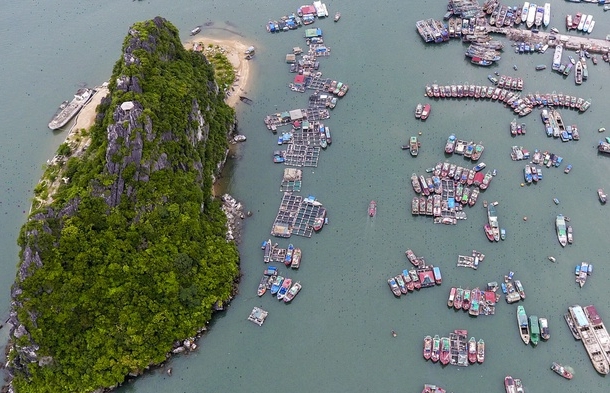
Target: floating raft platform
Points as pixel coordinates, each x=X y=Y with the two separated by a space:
x=292 y=180
x=296 y=216
x=459 y=348
x=471 y=261
x=258 y=316
x=300 y=155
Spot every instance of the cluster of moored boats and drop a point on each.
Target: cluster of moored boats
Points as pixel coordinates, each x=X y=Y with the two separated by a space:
x=582 y=271
x=283 y=288
x=513 y=385
x=532 y=328
x=454 y=349
x=554 y=126
x=423 y=276
x=291 y=256
x=507 y=82
x=492 y=229
x=581 y=22
x=474 y=301
x=521 y=105
x=305 y=15
x=586 y=325
x=512 y=289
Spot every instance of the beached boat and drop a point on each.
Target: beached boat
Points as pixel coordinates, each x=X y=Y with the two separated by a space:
x=560 y=226
x=509 y=384
x=394 y=287
x=436 y=348
x=292 y=292
x=601 y=195
x=68 y=110
x=534 y=330
x=418 y=110
x=472 y=350
x=561 y=370
x=450 y=144
x=426 y=111
x=545 y=333
x=427 y=351
x=196 y=30
x=524 y=329
x=372 y=208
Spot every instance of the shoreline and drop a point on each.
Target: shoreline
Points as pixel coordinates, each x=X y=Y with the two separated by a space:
x=234 y=51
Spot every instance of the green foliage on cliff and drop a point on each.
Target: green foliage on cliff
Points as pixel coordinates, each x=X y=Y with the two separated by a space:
x=120 y=283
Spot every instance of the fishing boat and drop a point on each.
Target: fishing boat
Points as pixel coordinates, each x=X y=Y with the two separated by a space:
x=337 y=16
x=524 y=11
x=415 y=183
x=288 y=256
x=540 y=67
x=475 y=297
x=459 y=296
x=561 y=370
x=531 y=15
x=401 y=284
x=570 y=234
x=450 y=145
x=568 y=168
x=415 y=279
x=479 y=166
x=534 y=330
x=418 y=110
x=427 y=347
x=578 y=73
x=426 y=111
x=581 y=23
x=502 y=234
x=413 y=146
x=320 y=219
x=262 y=286
x=466 y=300
x=519 y=289
x=587 y=24
x=296 y=258
x=601 y=195
x=472 y=350
x=292 y=292
x=415 y=206
x=445 y=350
x=545 y=333
x=539 y=16
x=570 y=321
x=394 y=286
x=286 y=284
x=480 y=351
x=436 y=349
x=275 y=287
x=438 y=279
x=524 y=329
x=560 y=226
x=519 y=386
x=451 y=297
x=372 y=208
x=267 y=246
x=509 y=384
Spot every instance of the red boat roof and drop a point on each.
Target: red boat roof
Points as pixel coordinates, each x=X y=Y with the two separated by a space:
x=479 y=176
x=593 y=315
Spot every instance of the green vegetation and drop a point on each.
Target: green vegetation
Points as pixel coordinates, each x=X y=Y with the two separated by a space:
x=224 y=74
x=120 y=284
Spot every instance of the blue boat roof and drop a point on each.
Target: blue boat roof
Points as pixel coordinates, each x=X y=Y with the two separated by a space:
x=579 y=316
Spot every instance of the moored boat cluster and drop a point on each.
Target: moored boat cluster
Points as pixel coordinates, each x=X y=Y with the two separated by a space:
x=474 y=301
x=513 y=289
x=456 y=349
x=521 y=105
x=586 y=324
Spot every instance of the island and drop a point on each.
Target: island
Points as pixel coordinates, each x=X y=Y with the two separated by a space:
x=125 y=257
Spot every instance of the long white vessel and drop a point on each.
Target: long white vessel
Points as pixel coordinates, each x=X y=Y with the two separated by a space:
x=593 y=334
x=66 y=113
x=539 y=16
x=321 y=9
x=583 y=19
x=587 y=24
x=547 y=14
x=557 y=57
x=590 y=29
x=524 y=11
x=531 y=15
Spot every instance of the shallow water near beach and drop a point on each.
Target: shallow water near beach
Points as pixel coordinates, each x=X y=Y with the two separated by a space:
x=336 y=335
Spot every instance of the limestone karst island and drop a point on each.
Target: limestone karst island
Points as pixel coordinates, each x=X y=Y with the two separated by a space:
x=125 y=251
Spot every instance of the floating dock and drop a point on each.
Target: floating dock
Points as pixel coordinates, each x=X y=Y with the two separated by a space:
x=258 y=316
x=296 y=216
x=292 y=180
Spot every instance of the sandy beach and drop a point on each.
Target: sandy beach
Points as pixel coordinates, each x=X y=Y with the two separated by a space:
x=234 y=51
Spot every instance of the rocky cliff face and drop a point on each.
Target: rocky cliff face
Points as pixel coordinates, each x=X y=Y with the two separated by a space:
x=132 y=143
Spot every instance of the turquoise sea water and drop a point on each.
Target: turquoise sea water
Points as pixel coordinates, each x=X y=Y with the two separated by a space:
x=336 y=334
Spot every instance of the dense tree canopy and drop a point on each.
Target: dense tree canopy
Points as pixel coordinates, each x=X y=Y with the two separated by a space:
x=118 y=285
